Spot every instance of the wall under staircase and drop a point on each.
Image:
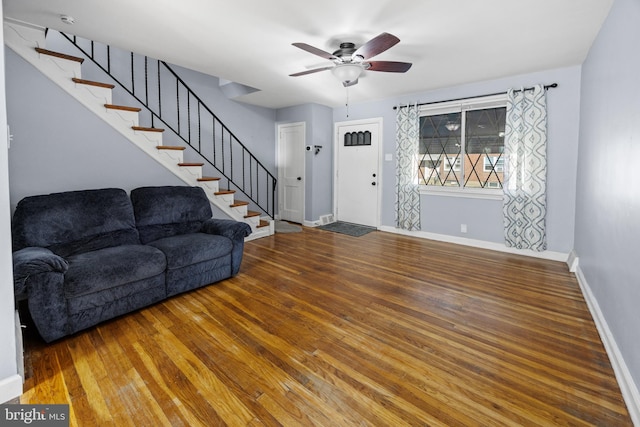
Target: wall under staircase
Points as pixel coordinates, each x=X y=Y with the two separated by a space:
x=67 y=74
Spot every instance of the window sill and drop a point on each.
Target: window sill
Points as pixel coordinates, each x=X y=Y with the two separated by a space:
x=470 y=193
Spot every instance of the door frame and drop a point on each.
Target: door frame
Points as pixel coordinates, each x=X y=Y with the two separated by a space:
x=279 y=149
x=375 y=121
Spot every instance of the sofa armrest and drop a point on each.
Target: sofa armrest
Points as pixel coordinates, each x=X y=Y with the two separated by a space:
x=234 y=230
x=39 y=276
x=31 y=261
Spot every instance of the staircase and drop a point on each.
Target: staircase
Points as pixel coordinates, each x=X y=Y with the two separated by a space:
x=65 y=71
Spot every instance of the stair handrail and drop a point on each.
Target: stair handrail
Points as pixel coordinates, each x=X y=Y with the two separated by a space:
x=247 y=188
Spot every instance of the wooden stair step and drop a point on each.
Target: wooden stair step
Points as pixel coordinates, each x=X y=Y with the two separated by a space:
x=92 y=83
x=123 y=108
x=263 y=223
x=252 y=214
x=145 y=129
x=238 y=203
x=170 y=147
x=223 y=192
x=59 y=55
x=208 y=178
x=190 y=164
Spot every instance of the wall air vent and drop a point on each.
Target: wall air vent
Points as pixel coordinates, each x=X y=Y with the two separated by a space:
x=326 y=219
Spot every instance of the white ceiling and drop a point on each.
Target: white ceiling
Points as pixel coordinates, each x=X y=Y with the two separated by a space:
x=449 y=42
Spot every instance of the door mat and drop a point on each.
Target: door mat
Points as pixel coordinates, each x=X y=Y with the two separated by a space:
x=286 y=227
x=347 y=228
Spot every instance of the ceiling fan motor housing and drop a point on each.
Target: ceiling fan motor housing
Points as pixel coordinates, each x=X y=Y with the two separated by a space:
x=346 y=50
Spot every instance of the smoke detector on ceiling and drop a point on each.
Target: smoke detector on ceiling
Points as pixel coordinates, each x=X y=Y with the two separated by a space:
x=67 y=19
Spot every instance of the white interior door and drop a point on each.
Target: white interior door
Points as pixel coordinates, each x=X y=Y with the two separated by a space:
x=291 y=146
x=357 y=190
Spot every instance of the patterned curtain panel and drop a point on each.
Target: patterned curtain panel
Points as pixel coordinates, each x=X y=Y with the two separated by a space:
x=525 y=146
x=407 y=195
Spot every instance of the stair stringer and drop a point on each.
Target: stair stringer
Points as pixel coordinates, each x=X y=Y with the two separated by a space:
x=24 y=38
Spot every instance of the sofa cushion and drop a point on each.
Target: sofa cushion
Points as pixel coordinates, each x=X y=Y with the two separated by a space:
x=197 y=275
x=169 y=211
x=109 y=268
x=192 y=248
x=75 y=221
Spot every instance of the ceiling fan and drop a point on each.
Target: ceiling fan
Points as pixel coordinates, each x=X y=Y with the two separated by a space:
x=349 y=63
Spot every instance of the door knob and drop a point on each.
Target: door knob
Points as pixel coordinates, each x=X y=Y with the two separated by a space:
x=373 y=183
x=374 y=175
x=299 y=178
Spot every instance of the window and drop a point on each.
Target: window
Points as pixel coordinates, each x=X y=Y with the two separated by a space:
x=493 y=163
x=461 y=144
x=357 y=138
x=454 y=163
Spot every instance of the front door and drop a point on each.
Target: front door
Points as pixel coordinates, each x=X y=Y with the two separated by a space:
x=291 y=142
x=357 y=176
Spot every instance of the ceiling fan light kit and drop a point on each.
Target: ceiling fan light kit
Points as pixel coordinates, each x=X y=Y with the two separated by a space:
x=350 y=63
x=347 y=74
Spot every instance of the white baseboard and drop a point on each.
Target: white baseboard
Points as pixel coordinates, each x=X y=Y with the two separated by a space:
x=322 y=220
x=10 y=388
x=500 y=247
x=628 y=387
x=573 y=261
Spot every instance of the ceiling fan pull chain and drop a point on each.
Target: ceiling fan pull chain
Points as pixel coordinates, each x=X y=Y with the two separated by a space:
x=347 y=88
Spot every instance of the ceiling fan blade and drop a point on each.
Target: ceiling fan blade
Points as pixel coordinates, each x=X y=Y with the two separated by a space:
x=376 y=45
x=315 y=50
x=389 y=66
x=315 y=70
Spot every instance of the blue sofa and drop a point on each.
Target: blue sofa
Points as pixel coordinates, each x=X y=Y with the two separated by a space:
x=83 y=257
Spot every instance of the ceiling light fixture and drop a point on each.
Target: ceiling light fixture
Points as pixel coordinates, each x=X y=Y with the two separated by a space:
x=67 y=19
x=347 y=73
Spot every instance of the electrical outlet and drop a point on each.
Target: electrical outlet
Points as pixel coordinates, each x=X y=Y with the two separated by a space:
x=463 y=228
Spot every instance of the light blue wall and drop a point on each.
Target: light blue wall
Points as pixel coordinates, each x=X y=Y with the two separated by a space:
x=252 y=125
x=607 y=225
x=322 y=134
x=10 y=383
x=443 y=215
x=59 y=145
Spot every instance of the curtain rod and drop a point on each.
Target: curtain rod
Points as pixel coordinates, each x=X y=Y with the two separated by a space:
x=479 y=96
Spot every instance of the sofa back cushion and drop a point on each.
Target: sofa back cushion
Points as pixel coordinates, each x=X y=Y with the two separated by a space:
x=75 y=222
x=169 y=211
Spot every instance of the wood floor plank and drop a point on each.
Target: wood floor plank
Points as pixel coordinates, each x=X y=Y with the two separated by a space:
x=333 y=335
x=274 y=365
x=324 y=329
x=94 y=379
x=227 y=405
x=164 y=395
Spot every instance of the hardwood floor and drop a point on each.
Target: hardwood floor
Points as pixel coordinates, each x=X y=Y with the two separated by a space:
x=325 y=329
